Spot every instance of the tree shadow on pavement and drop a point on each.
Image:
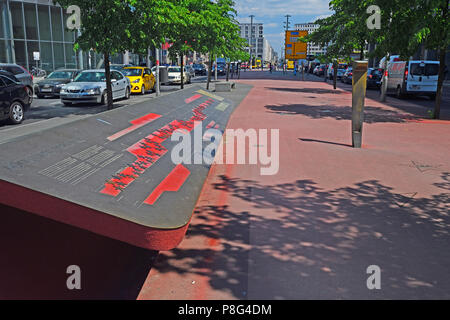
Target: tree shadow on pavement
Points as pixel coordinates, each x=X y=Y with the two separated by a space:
x=313 y=243
x=308 y=90
x=371 y=114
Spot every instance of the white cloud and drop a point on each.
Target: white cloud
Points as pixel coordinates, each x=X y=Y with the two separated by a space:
x=272 y=8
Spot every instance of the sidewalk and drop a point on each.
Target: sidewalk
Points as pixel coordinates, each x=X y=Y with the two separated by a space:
x=311 y=231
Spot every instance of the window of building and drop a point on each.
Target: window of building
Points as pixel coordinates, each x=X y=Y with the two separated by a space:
x=32 y=46
x=31 y=21
x=19 y=51
x=71 y=57
x=44 y=23
x=17 y=20
x=56 y=24
x=46 y=56
x=59 y=55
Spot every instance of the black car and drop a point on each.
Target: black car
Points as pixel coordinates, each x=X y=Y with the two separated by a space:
x=374 y=78
x=221 y=69
x=14 y=99
x=52 y=84
x=200 y=69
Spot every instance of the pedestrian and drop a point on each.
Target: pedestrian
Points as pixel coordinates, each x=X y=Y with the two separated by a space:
x=270 y=66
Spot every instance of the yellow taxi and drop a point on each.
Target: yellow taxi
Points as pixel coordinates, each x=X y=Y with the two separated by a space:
x=141 y=78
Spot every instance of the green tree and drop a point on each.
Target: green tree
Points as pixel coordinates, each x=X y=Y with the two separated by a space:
x=217 y=30
x=106 y=27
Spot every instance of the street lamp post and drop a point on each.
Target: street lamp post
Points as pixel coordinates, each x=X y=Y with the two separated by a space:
x=251 y=41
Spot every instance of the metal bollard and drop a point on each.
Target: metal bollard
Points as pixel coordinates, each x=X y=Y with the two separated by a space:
x=358 y=100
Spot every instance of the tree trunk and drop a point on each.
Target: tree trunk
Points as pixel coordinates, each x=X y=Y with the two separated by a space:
x=108 y=82
x=182 y=73
x=361 y=56
x=335 y=72
x=209 y=72
x=228 y=72
x=437 y=108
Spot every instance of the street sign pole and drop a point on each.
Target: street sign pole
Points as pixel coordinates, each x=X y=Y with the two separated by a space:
x=158 y=88
x=359 y=96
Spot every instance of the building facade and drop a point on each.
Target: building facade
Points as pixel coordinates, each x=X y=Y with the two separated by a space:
x=29 y=26
x=313 y=49
x=258 y=45
x=255 y=38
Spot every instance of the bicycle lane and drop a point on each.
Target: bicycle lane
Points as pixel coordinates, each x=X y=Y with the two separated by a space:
x=311 y=230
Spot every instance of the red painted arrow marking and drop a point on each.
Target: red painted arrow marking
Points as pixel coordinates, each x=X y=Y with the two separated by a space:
x=172 y=182
x=136 y=124
x=192 y=99
x=149 y=150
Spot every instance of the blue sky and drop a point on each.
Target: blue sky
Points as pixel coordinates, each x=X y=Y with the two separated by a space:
x=272 y=12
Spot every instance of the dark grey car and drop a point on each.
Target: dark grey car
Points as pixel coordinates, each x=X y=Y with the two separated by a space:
x=22 y=75
x=52 y=84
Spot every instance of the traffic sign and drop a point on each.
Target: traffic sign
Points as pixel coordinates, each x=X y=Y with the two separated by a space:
x=295 y=49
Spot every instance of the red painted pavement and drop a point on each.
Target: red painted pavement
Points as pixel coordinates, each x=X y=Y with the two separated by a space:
x=311 y=230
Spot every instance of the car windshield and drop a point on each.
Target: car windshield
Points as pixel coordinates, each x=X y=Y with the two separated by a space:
x=60 y=75
x=174 y=69
x=424 y=70
x=375 y=72
x=198 y=66
x=132 y=72
x=91 y=77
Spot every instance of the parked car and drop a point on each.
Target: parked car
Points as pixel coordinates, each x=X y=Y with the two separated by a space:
x=141 y=79
x=191 y=71
x=319 y=70
x=413 y=78
x=200 y=69
x=348 y=76
x=14 y=99
x=22 y=75
x=174 y=73
x=342 y=67
x=90 y=86
x=52 y=84
x=221 y=69
x=374 y=77
x=120 y=67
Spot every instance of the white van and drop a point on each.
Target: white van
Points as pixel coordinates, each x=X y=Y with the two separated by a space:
x=419 y=78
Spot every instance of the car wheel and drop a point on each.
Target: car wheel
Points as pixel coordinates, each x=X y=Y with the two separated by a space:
x=30 y=94
x=40 y=96
x=127 y=93
x=16 y=113
x=67 y=104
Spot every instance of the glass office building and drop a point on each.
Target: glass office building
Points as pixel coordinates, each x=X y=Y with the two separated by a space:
x=29 y=26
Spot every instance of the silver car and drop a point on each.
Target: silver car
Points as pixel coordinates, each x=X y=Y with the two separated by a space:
x=22 y=75
x=90 y=87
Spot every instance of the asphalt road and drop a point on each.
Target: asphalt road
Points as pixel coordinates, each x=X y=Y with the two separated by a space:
x=48 y=108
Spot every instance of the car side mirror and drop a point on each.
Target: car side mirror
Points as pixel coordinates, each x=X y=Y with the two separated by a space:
x=113 y=80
